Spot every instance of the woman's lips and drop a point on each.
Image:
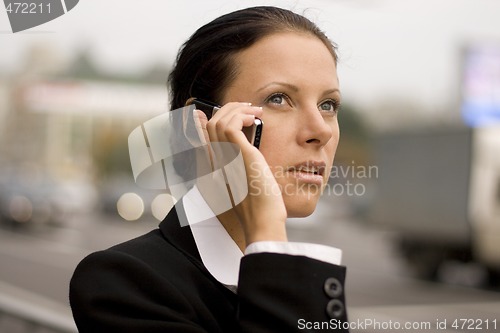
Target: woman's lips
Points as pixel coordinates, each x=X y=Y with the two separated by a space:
x=310 y=172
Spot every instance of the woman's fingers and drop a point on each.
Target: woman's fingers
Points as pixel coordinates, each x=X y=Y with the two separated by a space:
x=237 y=136
x=227 y=124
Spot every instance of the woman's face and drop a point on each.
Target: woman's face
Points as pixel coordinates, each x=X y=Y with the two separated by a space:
x=294 y=78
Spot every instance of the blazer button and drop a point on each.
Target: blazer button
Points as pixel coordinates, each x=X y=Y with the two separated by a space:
x=335 y=308
x=333 y=287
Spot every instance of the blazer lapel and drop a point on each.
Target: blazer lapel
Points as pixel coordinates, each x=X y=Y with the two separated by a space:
x=180 y=236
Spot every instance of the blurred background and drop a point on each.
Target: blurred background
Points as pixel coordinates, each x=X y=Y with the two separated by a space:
x=413 y=200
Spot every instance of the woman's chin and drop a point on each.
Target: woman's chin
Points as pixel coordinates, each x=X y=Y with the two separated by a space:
x=302 y=207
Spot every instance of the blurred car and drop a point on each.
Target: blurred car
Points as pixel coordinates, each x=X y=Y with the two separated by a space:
x=28 y=198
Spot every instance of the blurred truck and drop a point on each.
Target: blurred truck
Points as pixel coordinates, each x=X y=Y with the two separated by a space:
x=438 y=190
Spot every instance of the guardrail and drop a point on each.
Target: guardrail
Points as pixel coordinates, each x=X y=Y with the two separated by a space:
x=22 y=312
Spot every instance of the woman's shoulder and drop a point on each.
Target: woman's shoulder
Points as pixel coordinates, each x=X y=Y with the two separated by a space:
x=145 y=250
x=129 y=254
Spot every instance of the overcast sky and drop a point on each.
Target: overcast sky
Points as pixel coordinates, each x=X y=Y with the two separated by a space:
x=409 y=50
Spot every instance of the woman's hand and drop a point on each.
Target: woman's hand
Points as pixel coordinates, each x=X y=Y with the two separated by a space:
x=262 y=213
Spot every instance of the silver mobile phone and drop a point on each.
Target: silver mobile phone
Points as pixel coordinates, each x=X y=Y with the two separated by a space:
x=253 y=133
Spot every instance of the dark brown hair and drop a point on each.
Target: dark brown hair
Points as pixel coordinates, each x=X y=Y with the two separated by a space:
x=205 y=63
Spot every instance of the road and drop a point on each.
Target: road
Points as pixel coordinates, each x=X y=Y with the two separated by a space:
x=41 y=261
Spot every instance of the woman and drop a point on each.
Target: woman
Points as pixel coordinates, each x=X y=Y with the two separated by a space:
x=262 y=62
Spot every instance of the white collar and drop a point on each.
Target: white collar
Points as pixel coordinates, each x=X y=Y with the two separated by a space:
x=219 y=253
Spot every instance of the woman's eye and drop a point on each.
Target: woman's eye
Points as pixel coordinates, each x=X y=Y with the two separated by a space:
x=278 y=99
x=329 y=106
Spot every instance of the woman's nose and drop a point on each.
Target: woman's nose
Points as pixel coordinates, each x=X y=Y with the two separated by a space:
x=314 y=127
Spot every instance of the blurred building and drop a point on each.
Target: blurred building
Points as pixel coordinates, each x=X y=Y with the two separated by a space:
x=51 y=115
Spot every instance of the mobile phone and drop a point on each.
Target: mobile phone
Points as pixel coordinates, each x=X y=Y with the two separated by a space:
x=253 y=133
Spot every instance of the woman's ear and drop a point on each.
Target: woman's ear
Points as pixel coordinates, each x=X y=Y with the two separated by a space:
x=189 y=101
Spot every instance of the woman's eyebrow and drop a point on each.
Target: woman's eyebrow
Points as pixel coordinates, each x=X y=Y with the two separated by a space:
x=332 y=91
x=288 y=85
x=295 y=88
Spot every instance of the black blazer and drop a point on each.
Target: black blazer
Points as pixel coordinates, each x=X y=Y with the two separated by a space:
x=157 y=283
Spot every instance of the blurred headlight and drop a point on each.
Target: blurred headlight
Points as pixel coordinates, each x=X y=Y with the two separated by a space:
x=130 y=206
x=20 y=209
x=161 y=205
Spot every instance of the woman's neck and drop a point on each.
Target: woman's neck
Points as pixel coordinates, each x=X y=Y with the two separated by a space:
x=231 y=223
